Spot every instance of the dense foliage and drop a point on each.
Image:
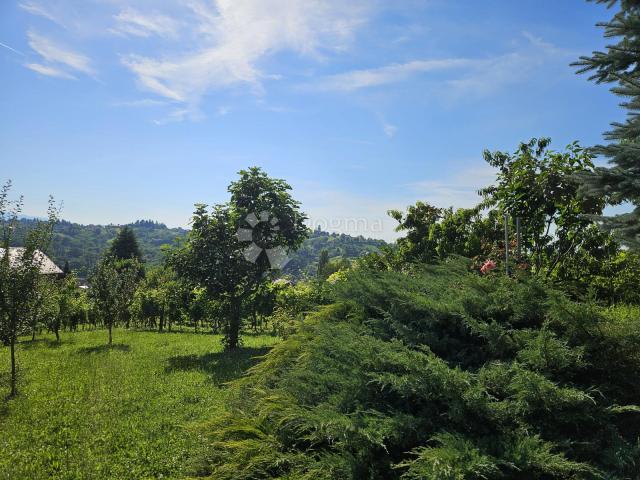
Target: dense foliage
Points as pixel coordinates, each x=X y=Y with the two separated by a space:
x=619 y=65
x=440 y=374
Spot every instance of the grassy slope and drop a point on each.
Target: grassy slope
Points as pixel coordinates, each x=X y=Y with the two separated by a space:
x=87 y=412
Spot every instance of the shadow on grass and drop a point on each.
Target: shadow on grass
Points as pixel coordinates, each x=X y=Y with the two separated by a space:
x=104 y=348
x=221 y=366
x=38 y=342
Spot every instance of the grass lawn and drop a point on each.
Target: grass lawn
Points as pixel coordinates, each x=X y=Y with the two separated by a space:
x=86 y=411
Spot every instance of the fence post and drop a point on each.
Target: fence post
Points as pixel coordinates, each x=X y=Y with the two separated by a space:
x=506 y=244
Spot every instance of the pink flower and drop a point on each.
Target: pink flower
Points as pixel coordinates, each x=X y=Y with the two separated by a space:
x=487 y=266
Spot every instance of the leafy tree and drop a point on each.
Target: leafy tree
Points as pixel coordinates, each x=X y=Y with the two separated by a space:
x=66 y=308
x=620 y=65
x=125 y=245
x=432 y=233
x=539 y=186
x=232 y=248
x=161 y=297
x=112 y=288
x=20 y=275
x=66 y=270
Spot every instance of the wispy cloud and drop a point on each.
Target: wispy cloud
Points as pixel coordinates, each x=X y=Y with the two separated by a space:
x=464 y=75
x=58 y=55
x=143 y=102
x=132 y=22
x=40 y=10
x=233 y=36
x=375 y=77
x=49 y=71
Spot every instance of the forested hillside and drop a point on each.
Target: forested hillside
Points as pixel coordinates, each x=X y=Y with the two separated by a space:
x=82 y=245
x=304 y=262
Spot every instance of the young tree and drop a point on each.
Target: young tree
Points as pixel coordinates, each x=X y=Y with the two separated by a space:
x=112 y=288
x=20 y=272
x=231 y=249
x=620 y=65
x=125 y=245
x=67 y=308
x=433 y=234
x=539 y=186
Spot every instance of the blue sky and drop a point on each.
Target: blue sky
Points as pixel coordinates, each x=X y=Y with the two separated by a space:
x=138 y=109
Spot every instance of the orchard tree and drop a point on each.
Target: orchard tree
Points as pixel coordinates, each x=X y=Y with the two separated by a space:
x=540 y=186
x=161 y=296
x=112 y=288
x=233 y=247
x=432 y=233
x=619 y=65
x=20 y=273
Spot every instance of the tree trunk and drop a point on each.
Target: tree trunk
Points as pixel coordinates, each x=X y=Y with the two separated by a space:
x=57 y=331
x=161 y=323
x=12 y=345
x=110 y=334
x=234 y=324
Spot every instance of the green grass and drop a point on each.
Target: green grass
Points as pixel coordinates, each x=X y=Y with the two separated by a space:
x=86 y=411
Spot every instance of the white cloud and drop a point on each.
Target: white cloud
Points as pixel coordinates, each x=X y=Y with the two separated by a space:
x=56 y=54
x=37 y=9
x=49 y=71
x=475 y=76
x=132 y=22
x=375 y=77
x=233 y=36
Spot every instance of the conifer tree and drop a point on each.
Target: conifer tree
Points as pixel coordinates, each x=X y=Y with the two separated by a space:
x=125 y=245
x=619 y=65
x=323 y=262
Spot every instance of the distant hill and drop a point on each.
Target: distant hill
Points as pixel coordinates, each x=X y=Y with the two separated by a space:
x=82 y=245
x=304 y=262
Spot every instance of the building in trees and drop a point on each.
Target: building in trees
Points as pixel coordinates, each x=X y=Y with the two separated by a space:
x=40 y=259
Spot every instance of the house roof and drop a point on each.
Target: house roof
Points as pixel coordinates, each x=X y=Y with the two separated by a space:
x=47 y=267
